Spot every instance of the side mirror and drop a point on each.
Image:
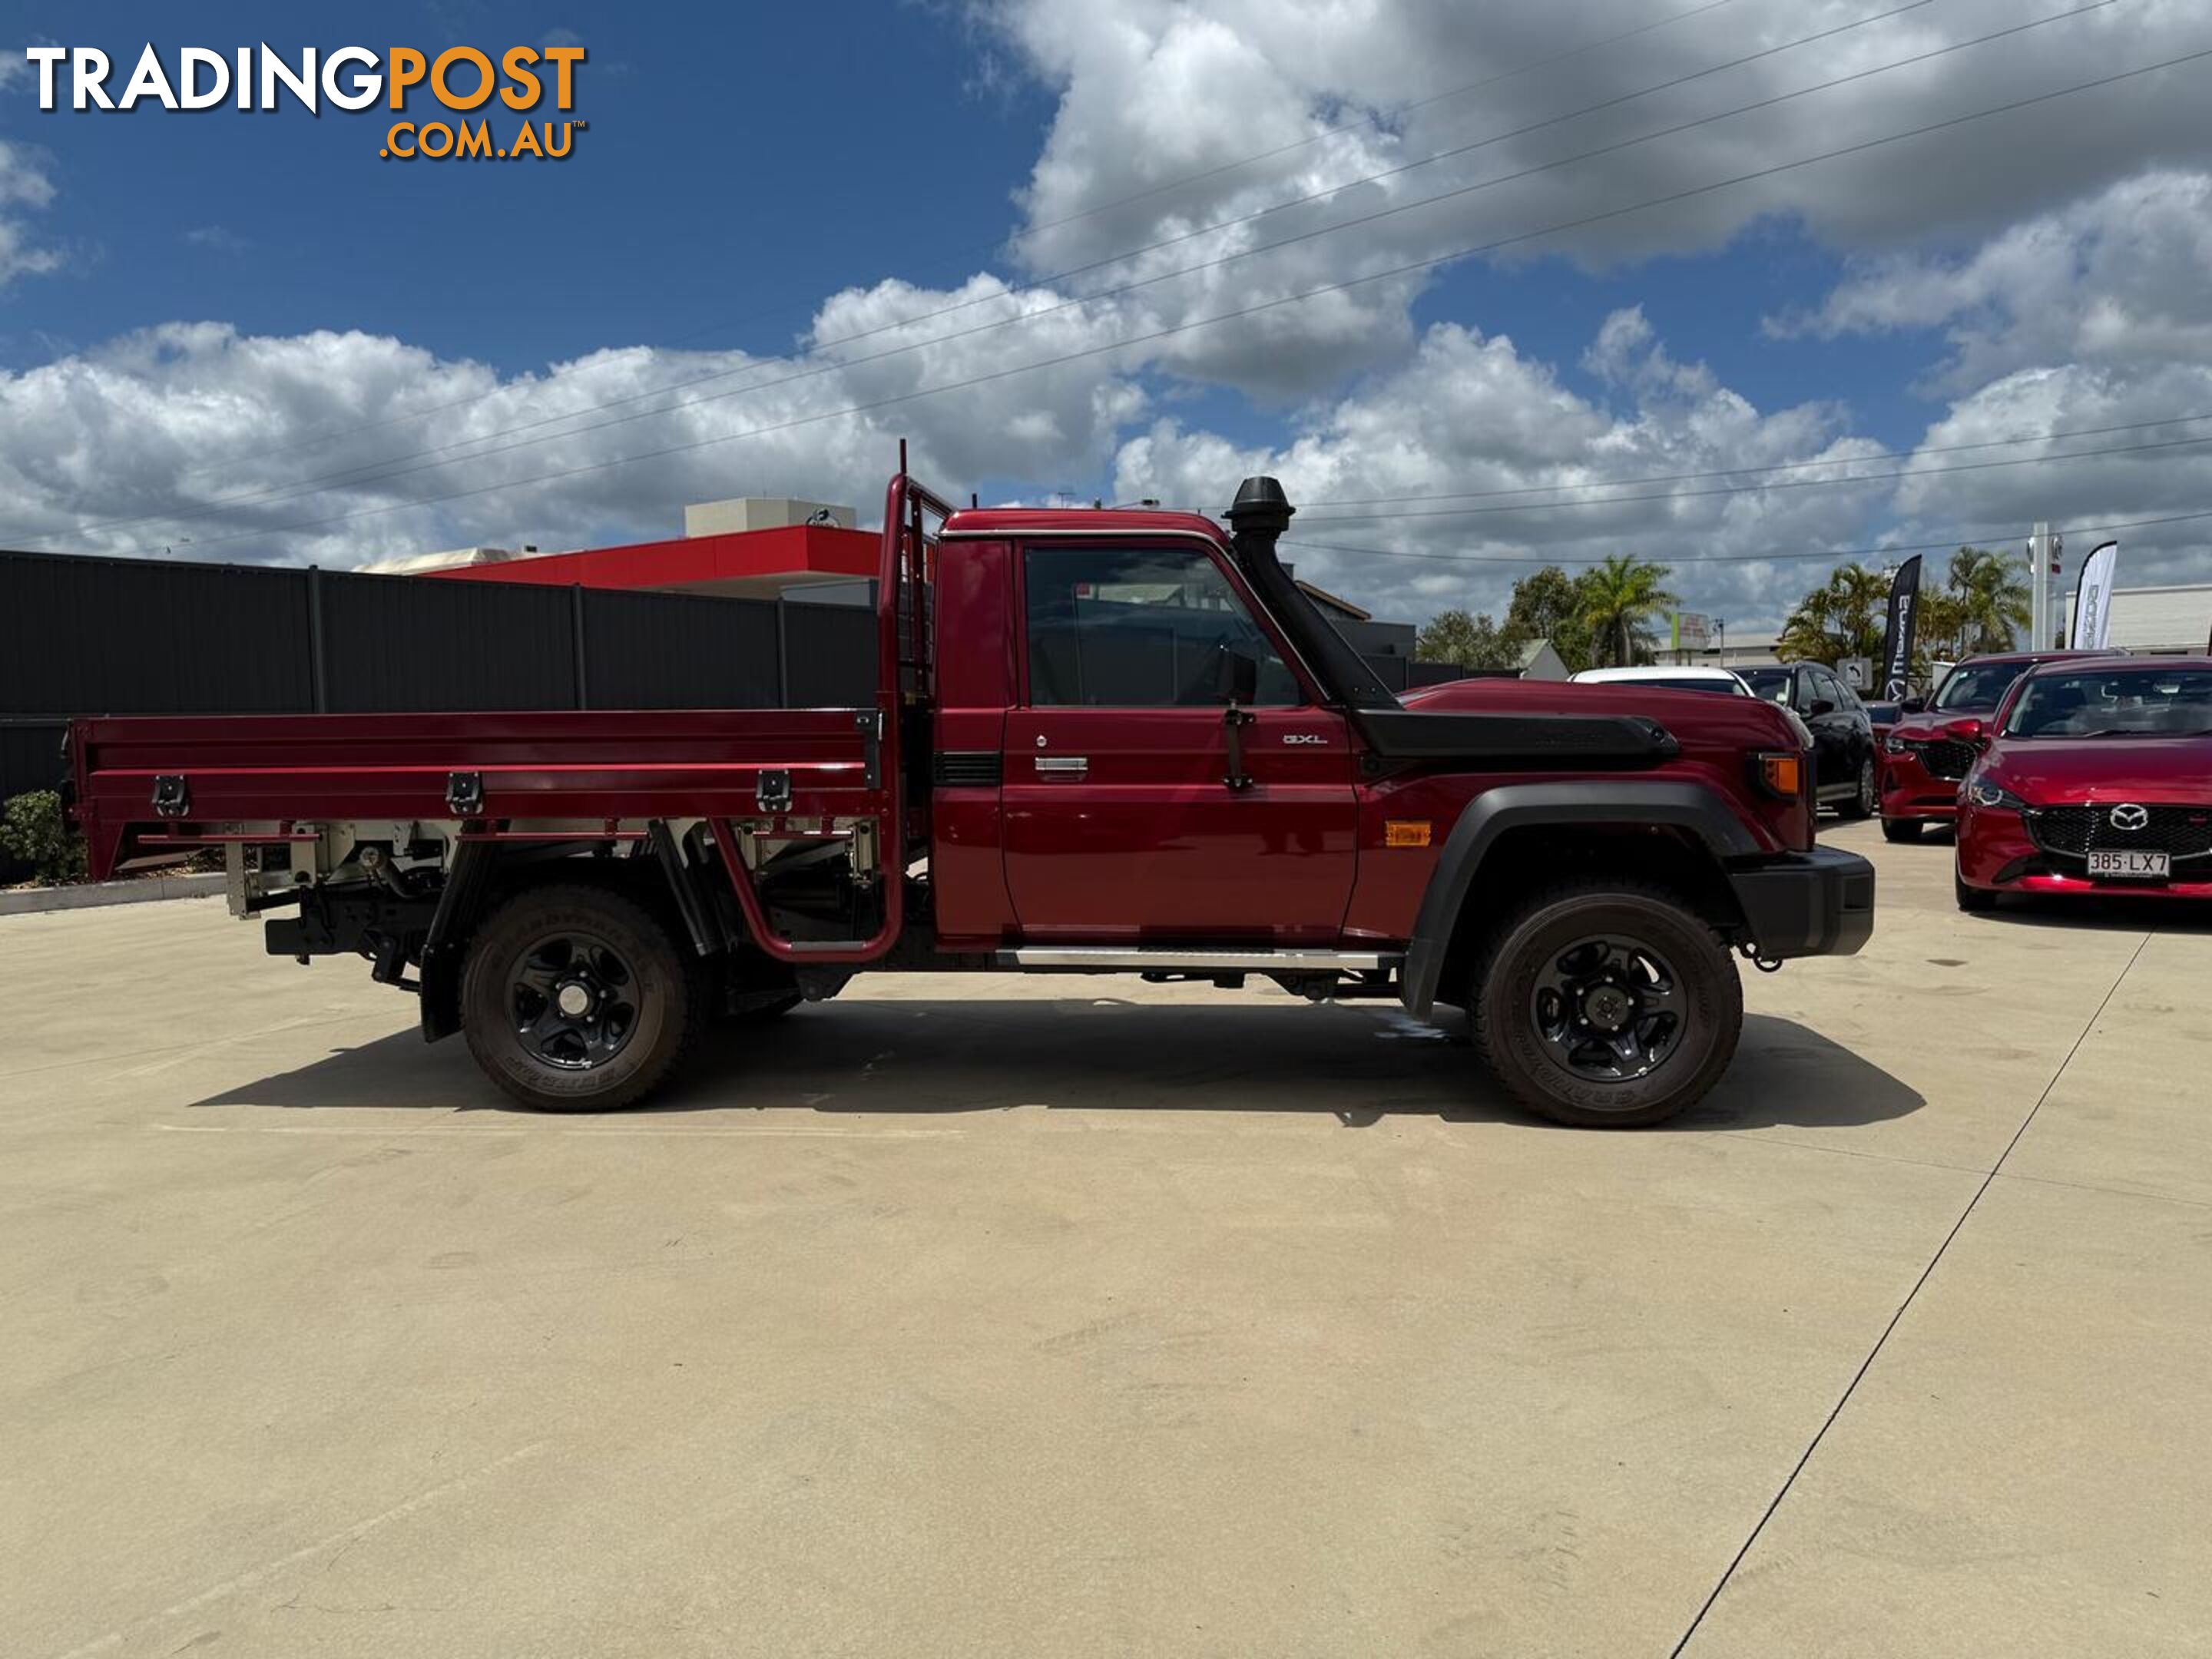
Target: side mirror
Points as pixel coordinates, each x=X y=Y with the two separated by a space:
x=1818 y=707
x=1238 y=678
x=1970 y=730
x=1913 y=705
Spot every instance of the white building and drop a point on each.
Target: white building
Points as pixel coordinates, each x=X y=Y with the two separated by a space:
x=1727 y=651
x=414 y=564
x=2163 y=621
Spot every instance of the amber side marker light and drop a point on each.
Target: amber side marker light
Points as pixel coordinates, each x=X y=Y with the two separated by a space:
x=1404 y=832
x=1781 y=773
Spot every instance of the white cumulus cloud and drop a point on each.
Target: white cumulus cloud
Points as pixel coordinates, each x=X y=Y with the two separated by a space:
x=2052 y=261
x=25 y=186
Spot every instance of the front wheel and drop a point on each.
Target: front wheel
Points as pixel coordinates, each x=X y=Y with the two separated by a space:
x=1973 y=899
x=1900 y=830
x=1606 y=1005
x=577 y=999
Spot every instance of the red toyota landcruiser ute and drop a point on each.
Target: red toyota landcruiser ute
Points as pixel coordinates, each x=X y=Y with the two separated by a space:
x=1929 y=751
x=2097 y=779
x=1100 y=742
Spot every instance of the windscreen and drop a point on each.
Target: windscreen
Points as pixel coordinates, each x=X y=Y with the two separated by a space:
x=1976 y=685
x=2141 y=703
x=1772 y=684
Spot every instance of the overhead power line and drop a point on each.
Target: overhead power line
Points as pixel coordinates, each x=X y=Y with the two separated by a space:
x=1761 y=488
x=1837 y=554
x=1581 y=222
x=1770 y=467
x=1312 y=139
x=426 y=459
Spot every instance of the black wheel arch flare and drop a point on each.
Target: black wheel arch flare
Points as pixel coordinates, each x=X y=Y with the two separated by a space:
x=1624 y=803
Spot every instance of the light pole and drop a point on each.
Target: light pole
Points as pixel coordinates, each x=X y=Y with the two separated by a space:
x=1720 y=634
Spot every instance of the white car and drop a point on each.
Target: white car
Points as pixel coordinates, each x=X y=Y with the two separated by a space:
x=1725 y=681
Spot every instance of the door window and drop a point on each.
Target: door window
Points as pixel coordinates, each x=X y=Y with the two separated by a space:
x=1139 y=628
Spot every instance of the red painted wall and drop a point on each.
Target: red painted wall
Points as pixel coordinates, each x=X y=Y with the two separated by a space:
x=826 y=550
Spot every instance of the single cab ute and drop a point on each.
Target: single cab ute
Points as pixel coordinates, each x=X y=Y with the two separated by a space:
x=1100 y=742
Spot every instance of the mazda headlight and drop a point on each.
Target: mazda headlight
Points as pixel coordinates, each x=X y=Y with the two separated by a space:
x=1983 y=792
x=1898 y=746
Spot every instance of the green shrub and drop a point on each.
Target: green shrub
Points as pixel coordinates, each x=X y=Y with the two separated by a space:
x=32 y=829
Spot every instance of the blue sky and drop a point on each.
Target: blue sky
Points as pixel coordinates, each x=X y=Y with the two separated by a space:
x=756 y=180
x=791 y=162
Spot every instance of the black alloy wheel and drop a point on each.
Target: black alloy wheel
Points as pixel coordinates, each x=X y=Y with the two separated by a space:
x=1609 y=1009
x=572 y=997
x=1604 y=1004
x=577 y=998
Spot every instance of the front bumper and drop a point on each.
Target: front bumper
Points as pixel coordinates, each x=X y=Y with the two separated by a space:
x=1997 y=855
x=1819 y=903
x=1910 y=790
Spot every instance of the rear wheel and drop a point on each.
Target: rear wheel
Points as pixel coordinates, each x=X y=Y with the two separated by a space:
x=577 y=999
x=1606 y=1005
x=1865 y=799
x=1900 y=830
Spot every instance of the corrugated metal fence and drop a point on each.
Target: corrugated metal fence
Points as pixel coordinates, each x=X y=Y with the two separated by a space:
x=81 y=635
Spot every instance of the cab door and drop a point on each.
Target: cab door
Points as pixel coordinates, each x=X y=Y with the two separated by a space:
x=1121 y=821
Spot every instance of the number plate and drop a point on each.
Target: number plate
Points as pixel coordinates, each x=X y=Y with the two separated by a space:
x=2140 y=866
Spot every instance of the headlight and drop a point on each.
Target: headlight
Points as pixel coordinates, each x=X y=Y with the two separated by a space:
x=1898 y=746
x=1984 y=793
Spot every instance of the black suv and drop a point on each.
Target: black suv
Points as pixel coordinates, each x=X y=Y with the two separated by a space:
x=1844 y=773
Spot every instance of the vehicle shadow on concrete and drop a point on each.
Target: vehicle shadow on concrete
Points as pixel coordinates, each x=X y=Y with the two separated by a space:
x=1358 y=1064
x=2090 y=913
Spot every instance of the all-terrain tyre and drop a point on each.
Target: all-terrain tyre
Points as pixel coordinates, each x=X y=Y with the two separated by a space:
x=577 y=999
x=1901 y=829
x=1605 y=1005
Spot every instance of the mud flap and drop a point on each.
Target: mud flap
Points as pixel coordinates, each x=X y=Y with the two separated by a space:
x=444 y=949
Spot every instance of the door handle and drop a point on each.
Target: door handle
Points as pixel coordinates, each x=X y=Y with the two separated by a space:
x=1063 y=766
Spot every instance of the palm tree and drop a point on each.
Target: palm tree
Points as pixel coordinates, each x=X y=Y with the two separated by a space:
x=1943 y=626
x=1992 y=598
x=1842 y=618
x=1806 y=635
x=1618 y=597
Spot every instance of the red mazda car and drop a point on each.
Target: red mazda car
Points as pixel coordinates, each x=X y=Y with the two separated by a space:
x=1931 y=748
x=2097 y=779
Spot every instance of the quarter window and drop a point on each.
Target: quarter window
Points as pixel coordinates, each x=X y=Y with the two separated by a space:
x=1139 y=628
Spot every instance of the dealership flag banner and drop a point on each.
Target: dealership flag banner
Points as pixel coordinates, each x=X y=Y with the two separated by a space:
x=1897 y=635
x=2092 y=600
